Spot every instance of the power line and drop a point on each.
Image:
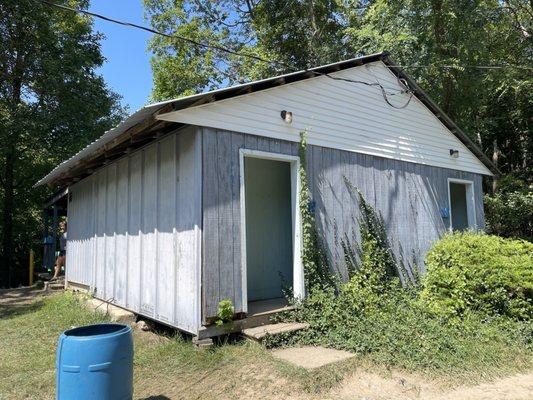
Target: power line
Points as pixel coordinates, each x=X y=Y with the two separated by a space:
x=173 y=36
x=236 y=53
x=489 y=67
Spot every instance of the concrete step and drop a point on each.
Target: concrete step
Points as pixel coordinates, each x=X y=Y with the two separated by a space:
x=260 y=332
x=258 y=317
x=54 y=285
x=117 y=314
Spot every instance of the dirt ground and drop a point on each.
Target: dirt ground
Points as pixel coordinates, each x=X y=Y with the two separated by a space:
x=370 y=386
x=12 y=299
x=260 y=379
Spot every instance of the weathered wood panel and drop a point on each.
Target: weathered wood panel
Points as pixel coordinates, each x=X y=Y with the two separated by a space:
x=166 y=217
x=188 y=225
x=121 y=233
x=210 y=255
x=99 y=283
x=237 y=142
x=135 y=216
x=110 y=232
x=149 y=230
x=135 y=231
x=409 y=196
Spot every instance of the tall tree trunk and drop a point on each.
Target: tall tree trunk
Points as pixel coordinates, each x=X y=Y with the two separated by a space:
x=441 y=48
x=7 y=218
x=8 y=211
x=313 y=37
x=495 y=157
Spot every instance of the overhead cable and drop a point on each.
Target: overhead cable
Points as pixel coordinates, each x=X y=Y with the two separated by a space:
x=384 y=93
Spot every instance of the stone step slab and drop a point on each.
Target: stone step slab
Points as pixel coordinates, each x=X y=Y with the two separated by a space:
x=260 y=332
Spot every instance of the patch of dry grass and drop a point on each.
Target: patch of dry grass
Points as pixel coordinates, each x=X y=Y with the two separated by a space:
x=168 y=366
x=165 y=366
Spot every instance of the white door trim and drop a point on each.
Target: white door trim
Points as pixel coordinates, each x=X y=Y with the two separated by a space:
x=298 y=273
x=470 y=202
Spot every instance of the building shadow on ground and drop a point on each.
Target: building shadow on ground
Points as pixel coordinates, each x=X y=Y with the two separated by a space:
x=14 y=302
x=160 y=397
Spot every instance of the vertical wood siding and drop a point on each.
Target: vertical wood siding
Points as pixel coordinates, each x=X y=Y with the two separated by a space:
x=409 y=196
x=134 y=231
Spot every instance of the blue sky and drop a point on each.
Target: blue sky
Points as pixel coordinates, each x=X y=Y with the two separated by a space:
x=127 y=68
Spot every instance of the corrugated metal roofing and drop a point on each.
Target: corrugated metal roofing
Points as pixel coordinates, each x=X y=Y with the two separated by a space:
x=107 y=137
x=186 y=101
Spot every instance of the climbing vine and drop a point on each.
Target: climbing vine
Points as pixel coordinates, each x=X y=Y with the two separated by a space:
x=373 y=259
x=317 y=271
x=373 y=256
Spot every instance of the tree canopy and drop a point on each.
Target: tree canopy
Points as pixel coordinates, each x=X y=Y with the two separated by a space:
x=52 y=103
x=442 y=43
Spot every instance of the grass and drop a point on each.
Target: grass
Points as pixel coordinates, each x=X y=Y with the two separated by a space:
x=28 y=335
x=166 y=365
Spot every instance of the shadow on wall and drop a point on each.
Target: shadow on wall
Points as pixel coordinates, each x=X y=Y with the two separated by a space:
x=150 y=190
x=409 y=197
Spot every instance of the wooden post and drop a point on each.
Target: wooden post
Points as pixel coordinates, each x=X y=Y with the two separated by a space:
x=54 y=230
x=31 y=268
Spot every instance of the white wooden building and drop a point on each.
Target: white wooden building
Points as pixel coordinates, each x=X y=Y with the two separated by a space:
x=195 y=200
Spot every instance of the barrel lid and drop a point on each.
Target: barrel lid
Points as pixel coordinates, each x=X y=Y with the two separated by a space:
x=97 y=331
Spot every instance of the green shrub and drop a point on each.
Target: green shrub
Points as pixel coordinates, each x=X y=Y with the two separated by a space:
x=482 y=273
x=394 y=328
x=374 y=316
x=224 y=312
x=510 y=214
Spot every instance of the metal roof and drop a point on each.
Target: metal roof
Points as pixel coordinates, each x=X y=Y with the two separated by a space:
x=152 y=110
x=107 y=137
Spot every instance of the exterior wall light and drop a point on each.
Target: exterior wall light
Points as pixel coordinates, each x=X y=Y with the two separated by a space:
x=454 y=153
x=286 y=116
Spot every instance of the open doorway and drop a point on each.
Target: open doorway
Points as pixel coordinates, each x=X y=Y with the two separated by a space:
x=271 y=237
x=462 y=205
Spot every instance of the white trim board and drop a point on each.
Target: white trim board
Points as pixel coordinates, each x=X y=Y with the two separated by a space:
x=298 y=273
x=470 y=202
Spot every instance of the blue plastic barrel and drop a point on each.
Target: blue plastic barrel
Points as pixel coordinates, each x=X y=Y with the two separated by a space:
x=95 y=362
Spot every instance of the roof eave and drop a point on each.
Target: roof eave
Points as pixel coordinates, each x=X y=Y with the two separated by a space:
x=441 y=115
x=57 y=175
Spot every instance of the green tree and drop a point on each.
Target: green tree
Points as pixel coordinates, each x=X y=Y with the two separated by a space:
x=451 y=37
x=438 y=41
x=179 y=67
x=295 y=33
x=298 y=33
x=52 y=103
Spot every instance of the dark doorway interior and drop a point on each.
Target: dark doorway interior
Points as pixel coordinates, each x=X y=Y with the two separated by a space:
x=458 y=206
x=269 y=256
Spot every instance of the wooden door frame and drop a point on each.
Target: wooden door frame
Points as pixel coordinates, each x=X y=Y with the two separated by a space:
x=470 y=202
x=297 y=266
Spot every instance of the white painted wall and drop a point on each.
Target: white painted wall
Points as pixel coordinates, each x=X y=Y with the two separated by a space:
x=341 y=115
x=134 y=231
